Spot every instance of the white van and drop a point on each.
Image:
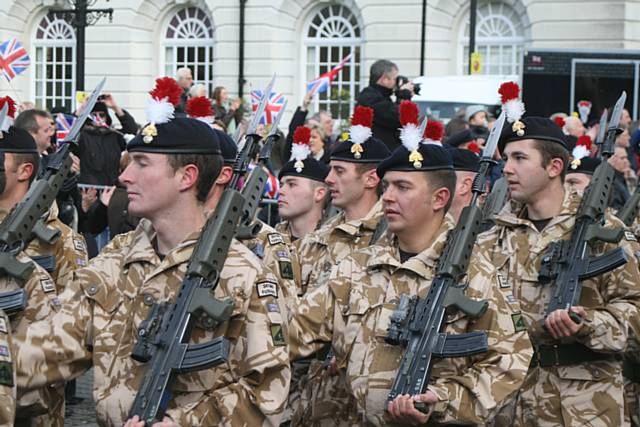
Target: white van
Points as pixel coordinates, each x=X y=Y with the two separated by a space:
x=443 y=96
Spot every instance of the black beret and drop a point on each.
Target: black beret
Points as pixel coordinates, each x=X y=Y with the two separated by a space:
x=373 y=151
x=586 y=165
x=181 y=135
x=17 y=140
x=434 y=157
x=464 y=160
x=227 y=146
x=534 y=128
x=460 y=138
x=311 y=169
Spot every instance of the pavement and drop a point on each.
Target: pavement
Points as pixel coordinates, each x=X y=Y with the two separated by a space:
x=82 y=413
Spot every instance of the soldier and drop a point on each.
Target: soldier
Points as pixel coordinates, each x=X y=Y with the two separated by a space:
x=576 y=375
x=353 y=309
x=466 y=164
x=58 y=256
x=303 y=193
x=7 y=374
x=354 y=188
x=20 y=159
x=174 y=165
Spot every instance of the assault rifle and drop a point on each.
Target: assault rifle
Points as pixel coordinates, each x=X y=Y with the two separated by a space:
x=163 y=338
x=629 y=212
x=566 y=263
x=495 y=201
x=18 y=226
x=417 y=322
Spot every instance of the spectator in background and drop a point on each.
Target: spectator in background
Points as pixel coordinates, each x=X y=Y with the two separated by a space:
x=99 y=147
x=198 y=90
x=620 y=163
x=185 y=81
x=386 y=116
x=26 y=105
x=326 y=121
x=455 y=125
x=317 y=142
x=38 y=124
x=477 y=118
x=573 y=126
x=221 y=112
x=625 y=118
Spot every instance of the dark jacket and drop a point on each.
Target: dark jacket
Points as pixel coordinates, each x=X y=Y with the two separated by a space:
x=115 y=216
x=386 y=114
x=99 y=150
x=225 y=116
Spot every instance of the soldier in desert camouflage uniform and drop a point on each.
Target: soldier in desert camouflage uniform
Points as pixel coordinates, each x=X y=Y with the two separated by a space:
x=354 y=188
x=44 y=407
x=466 y=164
x=268 y=245
x=7 y=374
x=575 y=378
x=174 y=165
x=352 y=311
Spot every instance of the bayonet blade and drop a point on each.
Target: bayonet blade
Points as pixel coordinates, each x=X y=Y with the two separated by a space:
x=617 y=111
x=423 y=126
x=88 y=106
x=602 y=129
x=261 y=106
x=3 y=113
x=494 y=136
x=276 y=122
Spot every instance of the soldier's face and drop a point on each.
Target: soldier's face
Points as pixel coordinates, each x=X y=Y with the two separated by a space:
x=296 y=197
x=152 y=184
x=346 y=184
x=578 y=180
x=406 y=201
x=523 y=170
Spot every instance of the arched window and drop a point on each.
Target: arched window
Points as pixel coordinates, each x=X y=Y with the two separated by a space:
x=55 y=70
x=499 y=39
x=188 y=42
x=332 y=34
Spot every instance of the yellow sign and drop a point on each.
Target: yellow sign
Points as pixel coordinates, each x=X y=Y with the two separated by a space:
x=476 y=63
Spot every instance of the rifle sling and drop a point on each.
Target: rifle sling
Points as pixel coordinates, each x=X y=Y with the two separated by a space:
x=631 y=370
x=546 y=356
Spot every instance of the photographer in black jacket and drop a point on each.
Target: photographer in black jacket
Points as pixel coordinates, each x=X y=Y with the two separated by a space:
x=386 y=117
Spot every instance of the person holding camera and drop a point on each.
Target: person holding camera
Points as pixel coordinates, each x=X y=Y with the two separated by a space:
x=383 y=82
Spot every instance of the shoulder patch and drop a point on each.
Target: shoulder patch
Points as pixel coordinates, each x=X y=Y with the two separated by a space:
x=266 y=289
x=273 y=308
x=630 y=236
x=6 y=374
x=277 y=335
x=3 y=326
x=81 y=262
x=286 y=270
x=282 y=254
x=518 y=322
x=47 y=285
x=258 y=251
x=79 y=245
x=275 y=238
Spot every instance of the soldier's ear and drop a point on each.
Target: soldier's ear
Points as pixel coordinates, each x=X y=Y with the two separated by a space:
x=226 y=173
x=189 y=175
x=555 y=167
x=440 y=199
x=25 y=171
x=320 y=193
x=371 y=179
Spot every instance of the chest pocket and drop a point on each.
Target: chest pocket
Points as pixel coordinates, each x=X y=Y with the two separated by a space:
x=107 y=300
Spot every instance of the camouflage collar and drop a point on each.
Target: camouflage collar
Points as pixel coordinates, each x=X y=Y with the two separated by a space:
x=369 y=222
x=513 y=213
x=141 y=248
x=387 y=255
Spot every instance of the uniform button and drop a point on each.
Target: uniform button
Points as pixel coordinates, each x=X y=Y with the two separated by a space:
x=92 y=290
x=148 y=300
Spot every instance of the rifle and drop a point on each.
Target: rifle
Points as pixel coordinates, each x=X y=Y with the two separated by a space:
x=18 y=226
x=566 y=263
x=494 y=202
x=251 y=139
x=417 y=322
x=629 y=212
x=163 y=338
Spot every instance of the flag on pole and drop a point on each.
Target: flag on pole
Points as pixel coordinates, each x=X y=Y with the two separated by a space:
x=321 y=83
x=274 y=105
x=64 y=123
x=14 y=58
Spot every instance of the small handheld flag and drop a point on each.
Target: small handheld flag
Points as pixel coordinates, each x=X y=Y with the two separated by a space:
x=321 y=83
x=14 y=58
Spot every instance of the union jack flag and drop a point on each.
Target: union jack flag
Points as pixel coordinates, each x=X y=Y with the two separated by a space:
x=321 y=83
x=272 y=186
x=14 y=58
x=64 y=123
x=273 y=107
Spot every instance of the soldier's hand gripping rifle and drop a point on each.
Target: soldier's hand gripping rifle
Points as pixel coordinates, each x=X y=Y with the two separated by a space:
x=417 y=323
x=566 y=263
x=163 y=338
x=17 y=228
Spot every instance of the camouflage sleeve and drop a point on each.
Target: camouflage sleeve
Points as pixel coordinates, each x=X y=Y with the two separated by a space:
x=614 y=301
x=470 y=390
x=258 y=363
x=71 y=254
x=318 y=319
x=7 y=374
x=42 y=298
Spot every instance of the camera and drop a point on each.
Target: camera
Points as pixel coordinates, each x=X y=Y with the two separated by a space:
x=400 y=80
